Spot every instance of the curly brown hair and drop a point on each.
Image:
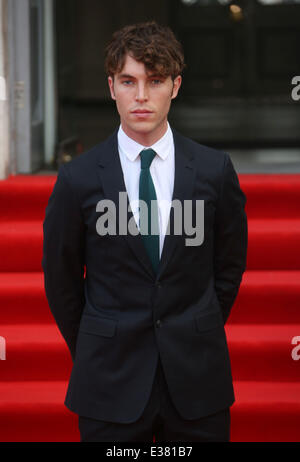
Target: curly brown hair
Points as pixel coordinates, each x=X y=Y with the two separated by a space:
x=148 y=42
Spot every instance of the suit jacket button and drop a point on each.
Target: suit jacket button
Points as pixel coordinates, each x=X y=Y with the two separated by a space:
x=158 y=323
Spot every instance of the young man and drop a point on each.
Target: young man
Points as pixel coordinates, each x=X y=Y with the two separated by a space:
x=145 y=323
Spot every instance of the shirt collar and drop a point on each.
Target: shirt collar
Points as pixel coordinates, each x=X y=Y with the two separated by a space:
x=132 y=149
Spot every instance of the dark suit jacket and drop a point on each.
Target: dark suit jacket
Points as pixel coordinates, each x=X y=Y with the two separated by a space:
x=118 y=316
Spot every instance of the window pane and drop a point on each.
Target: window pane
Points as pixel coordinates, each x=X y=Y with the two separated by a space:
x=277 y=2
x=205 y=2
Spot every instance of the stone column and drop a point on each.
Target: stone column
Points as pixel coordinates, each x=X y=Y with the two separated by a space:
x=4 y=107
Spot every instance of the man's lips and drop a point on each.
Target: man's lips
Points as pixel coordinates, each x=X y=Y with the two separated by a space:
x=142 y=114
x=141 y=111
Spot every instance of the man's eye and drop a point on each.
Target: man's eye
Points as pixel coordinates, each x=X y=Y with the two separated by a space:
x=156 y=81
x=127 y=82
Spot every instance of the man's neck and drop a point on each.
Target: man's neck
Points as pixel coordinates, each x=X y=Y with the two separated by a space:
x=146 y=139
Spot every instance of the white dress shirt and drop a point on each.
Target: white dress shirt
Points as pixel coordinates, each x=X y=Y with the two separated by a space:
x=162 y=170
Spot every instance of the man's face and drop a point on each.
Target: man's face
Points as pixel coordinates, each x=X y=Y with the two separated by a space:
x=143 y=100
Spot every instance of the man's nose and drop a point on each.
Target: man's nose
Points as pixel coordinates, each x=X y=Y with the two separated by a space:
x=141 y=93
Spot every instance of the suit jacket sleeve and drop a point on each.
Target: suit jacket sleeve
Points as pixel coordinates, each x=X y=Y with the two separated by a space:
x=231 y=238
x=63 y=258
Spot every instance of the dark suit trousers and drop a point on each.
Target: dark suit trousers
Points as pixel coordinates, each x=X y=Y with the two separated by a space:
x=159 y=419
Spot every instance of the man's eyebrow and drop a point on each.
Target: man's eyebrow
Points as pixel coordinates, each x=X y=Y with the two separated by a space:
x=125 y=76
x=128 y=76
x=158 y=76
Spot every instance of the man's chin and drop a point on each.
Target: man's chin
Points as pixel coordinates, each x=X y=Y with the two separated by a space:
x=142 y=127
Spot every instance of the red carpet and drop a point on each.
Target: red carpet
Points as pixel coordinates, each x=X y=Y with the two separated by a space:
x=263 y=322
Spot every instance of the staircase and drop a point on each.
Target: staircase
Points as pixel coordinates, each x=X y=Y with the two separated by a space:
x=264 y=320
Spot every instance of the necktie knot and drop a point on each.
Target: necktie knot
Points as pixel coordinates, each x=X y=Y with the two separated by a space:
x=147 y=156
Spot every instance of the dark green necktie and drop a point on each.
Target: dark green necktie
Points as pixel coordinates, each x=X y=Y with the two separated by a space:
x=150 y=233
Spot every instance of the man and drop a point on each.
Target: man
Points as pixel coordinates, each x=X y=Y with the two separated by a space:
x=143 y=313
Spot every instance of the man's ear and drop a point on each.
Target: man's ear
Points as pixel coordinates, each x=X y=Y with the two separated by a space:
x=176 y=85
x=111 y=87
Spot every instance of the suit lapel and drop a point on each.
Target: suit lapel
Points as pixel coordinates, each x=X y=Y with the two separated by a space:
x=112 y=180
x=183 y=190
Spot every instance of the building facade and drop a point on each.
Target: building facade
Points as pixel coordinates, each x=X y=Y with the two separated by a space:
x=241 y=59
